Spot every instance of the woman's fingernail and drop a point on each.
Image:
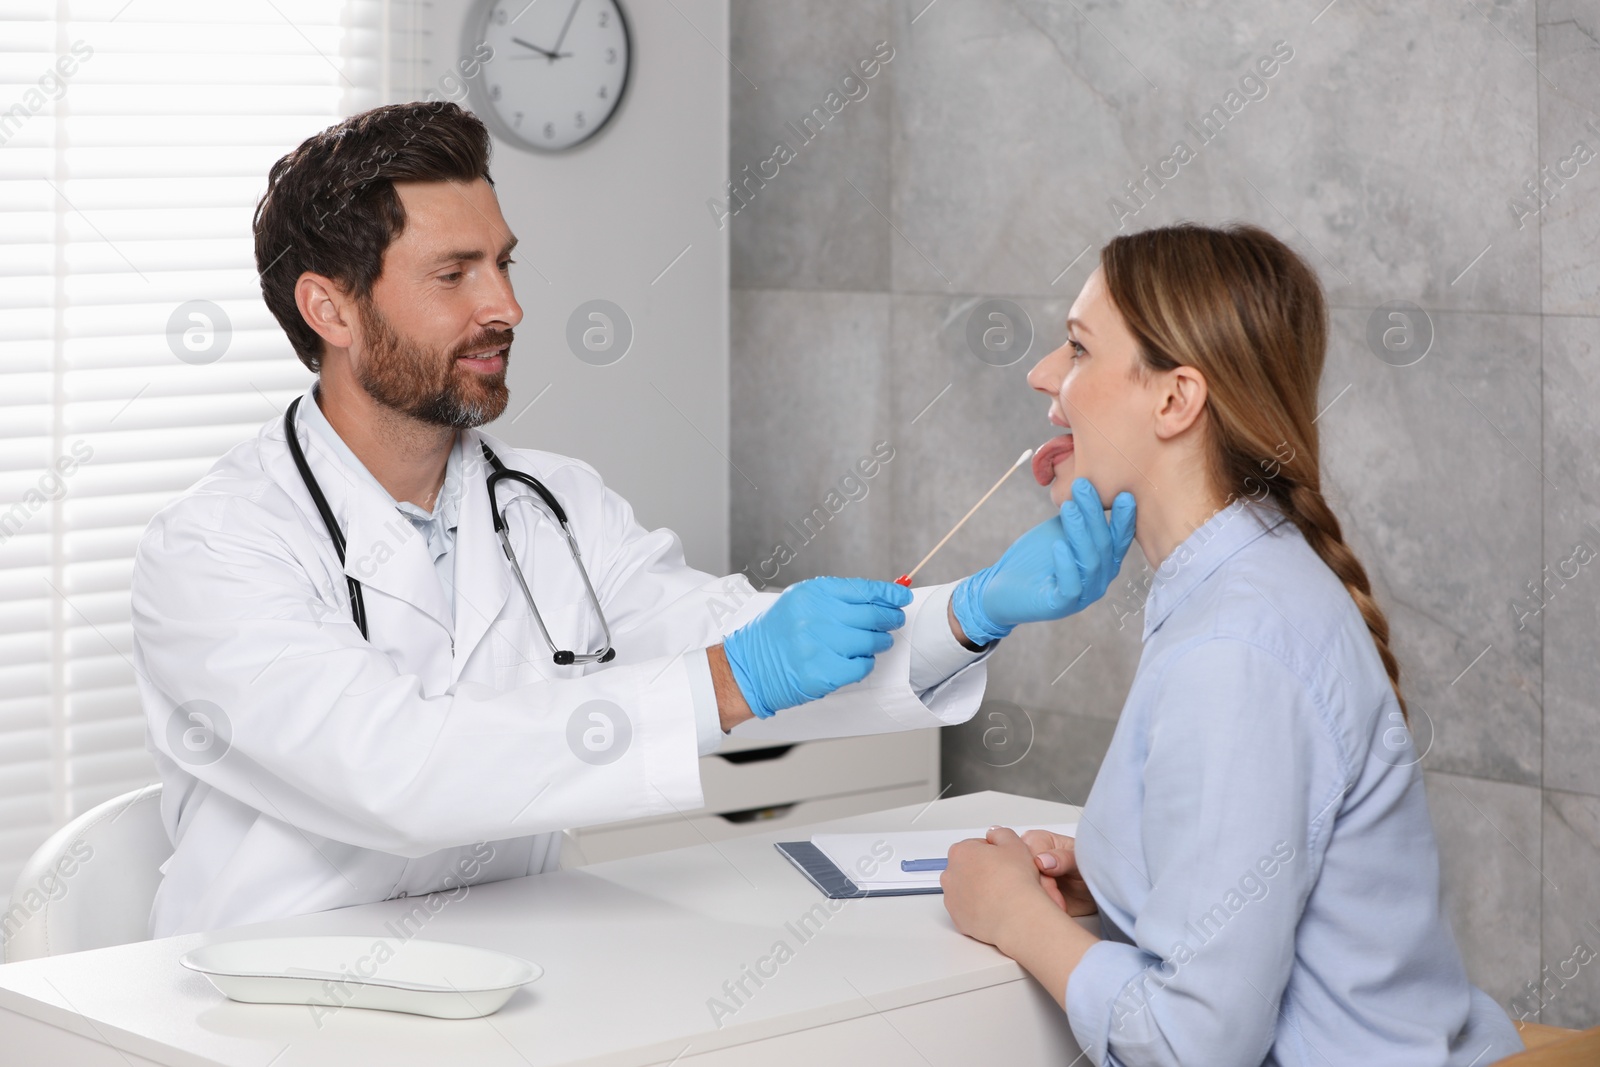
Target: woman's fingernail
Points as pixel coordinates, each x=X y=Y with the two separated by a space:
x=1047 y=861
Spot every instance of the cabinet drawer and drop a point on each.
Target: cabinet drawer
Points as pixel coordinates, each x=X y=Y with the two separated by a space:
x=681 y=831
x=778 y=774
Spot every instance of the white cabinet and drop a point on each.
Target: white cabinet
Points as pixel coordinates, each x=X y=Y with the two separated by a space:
x=757 y=787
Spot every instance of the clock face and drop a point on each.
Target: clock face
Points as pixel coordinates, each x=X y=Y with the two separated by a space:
x=558 y=70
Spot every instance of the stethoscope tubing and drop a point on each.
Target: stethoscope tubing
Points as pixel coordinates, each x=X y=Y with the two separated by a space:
x=500 y=472
x=358 y=603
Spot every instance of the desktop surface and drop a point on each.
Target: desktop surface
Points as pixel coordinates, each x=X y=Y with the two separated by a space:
x=661 y=958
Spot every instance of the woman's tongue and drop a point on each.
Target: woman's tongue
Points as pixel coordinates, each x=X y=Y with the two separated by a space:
x=1049 y=454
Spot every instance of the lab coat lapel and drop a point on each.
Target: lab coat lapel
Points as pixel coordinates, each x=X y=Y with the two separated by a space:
x=482 y=574
x=383 y=551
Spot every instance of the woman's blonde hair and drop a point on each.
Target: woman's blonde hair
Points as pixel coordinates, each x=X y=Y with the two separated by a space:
x=1248 y=313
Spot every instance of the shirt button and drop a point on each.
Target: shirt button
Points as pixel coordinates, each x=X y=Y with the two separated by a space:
x=402 y=895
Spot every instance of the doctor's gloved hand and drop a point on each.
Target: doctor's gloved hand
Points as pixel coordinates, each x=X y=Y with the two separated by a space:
x=1059 y=567
x=820 y=634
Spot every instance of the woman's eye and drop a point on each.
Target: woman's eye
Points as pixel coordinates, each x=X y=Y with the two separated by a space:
x=1077 y=349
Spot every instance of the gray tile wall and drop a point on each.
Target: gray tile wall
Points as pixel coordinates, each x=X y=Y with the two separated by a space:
x=1392 y=148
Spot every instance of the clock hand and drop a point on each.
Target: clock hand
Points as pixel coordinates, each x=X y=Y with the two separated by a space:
x=536 y=48
x=566 y=25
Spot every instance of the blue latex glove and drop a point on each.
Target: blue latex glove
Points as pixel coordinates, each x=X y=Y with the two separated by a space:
x=820 y=634
x=1059 y=567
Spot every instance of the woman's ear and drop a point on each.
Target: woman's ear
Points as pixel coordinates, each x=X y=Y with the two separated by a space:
x=1181 y=398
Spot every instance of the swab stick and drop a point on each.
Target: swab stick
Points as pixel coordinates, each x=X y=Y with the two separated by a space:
x=905 y=579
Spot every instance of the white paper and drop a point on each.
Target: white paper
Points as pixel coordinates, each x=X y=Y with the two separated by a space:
x=872 y=861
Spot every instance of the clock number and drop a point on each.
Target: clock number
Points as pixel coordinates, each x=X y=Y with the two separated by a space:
x=586 y=117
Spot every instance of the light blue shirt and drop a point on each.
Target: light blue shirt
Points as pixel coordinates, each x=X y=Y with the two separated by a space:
x=936 y=654
x=1258 y=839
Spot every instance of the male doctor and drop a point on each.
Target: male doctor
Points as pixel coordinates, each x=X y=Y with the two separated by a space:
x=359 y=705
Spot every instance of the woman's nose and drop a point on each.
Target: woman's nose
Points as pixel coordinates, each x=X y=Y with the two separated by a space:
x=1048 y=374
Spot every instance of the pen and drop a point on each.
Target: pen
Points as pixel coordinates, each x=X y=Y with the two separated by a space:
x=910 y=866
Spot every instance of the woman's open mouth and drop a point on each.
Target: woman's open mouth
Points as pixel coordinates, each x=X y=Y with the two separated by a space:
x=1048 y=455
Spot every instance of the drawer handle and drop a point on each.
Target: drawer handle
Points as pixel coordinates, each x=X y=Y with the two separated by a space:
x=774 y=811
x=756 y=755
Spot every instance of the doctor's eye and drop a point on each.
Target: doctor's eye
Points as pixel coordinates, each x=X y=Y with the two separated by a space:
x=453 y=276
x=506 y=263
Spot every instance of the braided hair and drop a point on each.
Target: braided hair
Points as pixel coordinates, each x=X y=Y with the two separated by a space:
x=1241 y=307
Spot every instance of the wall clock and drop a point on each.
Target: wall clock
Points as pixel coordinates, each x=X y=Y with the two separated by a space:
x=557 y=73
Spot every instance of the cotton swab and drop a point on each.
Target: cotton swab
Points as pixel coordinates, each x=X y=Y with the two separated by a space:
x=905 y=579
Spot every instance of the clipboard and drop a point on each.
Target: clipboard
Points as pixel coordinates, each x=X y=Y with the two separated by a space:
x=821 y=872
x=820 y=858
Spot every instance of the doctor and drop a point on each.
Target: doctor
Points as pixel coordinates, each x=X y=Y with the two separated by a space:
x=354 y=698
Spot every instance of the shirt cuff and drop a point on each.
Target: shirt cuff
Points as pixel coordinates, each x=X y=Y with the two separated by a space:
x=1095 y=1004
x=707 y=720
x=935 y=652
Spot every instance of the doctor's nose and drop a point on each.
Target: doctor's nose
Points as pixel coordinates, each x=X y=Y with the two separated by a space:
x=500 y=303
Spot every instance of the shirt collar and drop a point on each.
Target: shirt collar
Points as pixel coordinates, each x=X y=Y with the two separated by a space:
x=1211 y=545
x=446 y=508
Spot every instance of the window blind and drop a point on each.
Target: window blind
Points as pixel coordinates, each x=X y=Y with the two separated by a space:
x=135 y=139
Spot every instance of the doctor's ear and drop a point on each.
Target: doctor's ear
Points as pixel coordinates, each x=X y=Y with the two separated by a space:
x=326 y=308
x=1180 y=395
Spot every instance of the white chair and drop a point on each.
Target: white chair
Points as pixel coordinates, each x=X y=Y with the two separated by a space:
x=92 y=883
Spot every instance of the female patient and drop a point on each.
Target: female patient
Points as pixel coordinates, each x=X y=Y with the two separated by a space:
x=1257 y=841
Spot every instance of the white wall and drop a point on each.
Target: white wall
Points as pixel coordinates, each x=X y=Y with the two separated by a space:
x=601 y=222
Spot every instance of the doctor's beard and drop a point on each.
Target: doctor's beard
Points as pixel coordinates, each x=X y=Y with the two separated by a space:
x=420 y=383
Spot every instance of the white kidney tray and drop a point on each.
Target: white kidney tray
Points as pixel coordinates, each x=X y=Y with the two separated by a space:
x=437 y=978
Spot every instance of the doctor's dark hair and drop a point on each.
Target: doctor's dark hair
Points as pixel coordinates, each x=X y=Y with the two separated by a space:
x=1243 y=309
x=331 y=208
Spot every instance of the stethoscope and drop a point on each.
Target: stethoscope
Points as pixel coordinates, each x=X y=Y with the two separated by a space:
x=500 y=472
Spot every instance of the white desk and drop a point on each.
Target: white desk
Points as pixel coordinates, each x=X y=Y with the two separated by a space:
x=633 y=950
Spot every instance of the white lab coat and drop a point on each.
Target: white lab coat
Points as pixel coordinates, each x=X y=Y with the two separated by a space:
x=351 y=771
